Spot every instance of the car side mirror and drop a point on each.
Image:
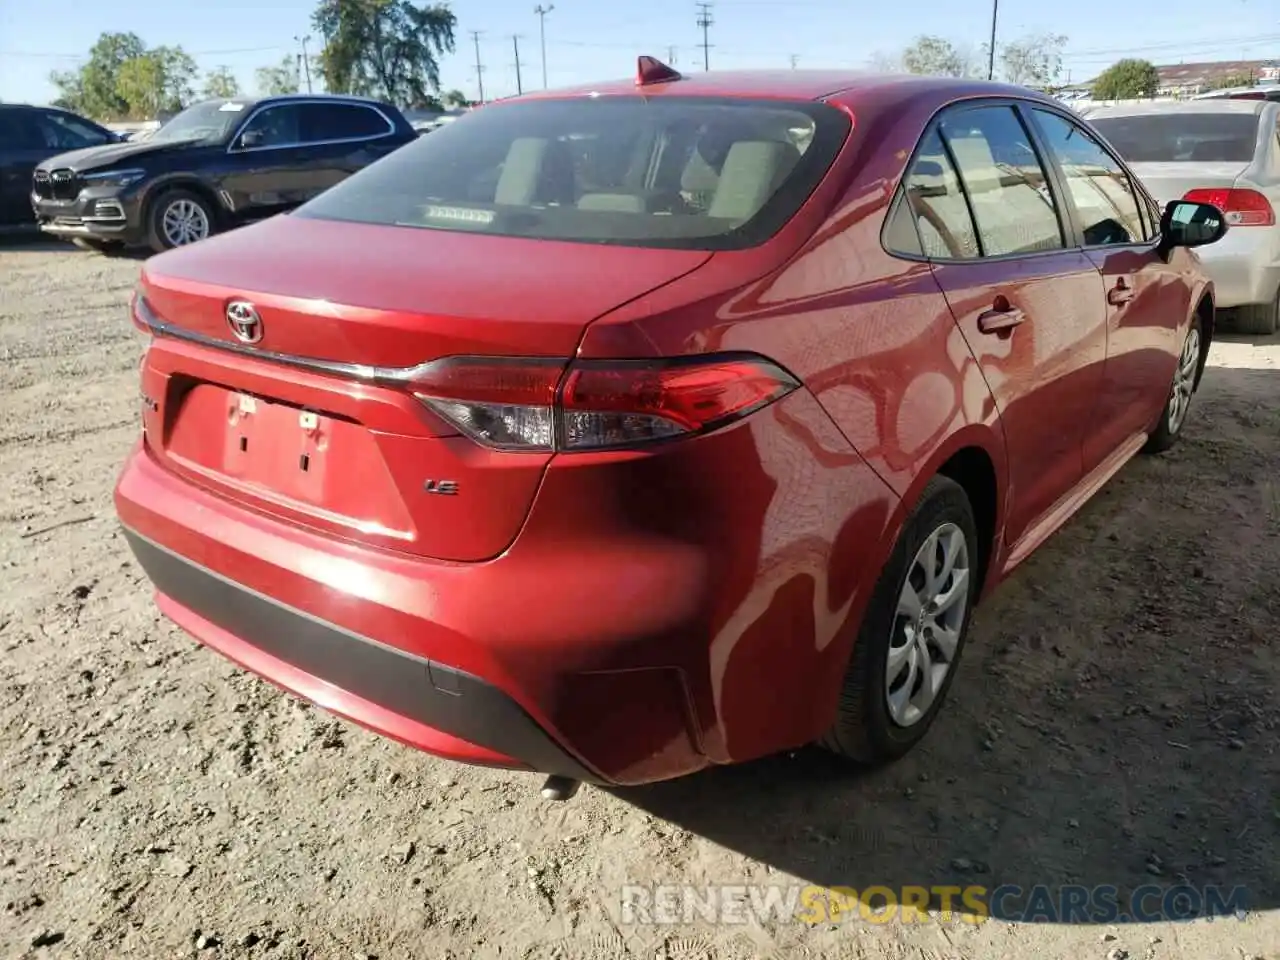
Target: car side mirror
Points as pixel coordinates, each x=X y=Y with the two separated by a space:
x=250 y=139
x=1186 y=223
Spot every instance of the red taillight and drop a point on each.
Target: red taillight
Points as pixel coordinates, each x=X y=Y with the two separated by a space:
x=1242 y=208
x=546 y=405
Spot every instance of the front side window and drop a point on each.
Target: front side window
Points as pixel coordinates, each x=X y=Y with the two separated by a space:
x=277 y=126
x=1006 y=184
x=673 y=171
x=1103 y=193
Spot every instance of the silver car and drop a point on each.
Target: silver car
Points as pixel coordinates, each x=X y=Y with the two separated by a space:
x=1220 y=151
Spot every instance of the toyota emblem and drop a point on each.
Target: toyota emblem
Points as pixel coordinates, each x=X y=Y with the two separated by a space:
x=243 y=319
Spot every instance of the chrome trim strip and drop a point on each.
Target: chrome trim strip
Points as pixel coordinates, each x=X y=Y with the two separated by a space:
x=262 y=108
x=352 y=371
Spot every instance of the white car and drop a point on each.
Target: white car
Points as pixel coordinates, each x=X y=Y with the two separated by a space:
x=1220 y=151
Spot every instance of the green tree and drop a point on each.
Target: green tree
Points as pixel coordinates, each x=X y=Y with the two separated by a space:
x=158 y=81
x=456 y=98
x=936 y=57
x=221 y=84
x=94 y=88
x=1127 y=80
x=275 y=81
x=385 y=48
x=1033 y=61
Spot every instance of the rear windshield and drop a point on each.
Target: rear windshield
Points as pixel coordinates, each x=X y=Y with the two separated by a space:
x=1186 y=137
x=665 y=172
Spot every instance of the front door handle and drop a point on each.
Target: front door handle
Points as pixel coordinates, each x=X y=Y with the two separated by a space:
x=1120 y=294
x=1001 y=318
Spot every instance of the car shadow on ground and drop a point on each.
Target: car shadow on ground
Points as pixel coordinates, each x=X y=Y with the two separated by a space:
x=22 y=240
x=1112 y=728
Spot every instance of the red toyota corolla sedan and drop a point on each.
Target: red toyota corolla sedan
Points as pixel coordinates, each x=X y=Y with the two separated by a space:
x=617 y=432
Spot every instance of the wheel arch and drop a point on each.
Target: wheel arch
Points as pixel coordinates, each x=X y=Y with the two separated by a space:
x=181 y=182
x=976 y=459
x=1205 y=308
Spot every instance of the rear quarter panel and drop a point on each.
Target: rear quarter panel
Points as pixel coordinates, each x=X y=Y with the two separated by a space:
x=874 y=342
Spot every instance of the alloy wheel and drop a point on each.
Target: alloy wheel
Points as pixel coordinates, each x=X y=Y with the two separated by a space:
x=926 y=632
x=184 y=222
x=1184 y=380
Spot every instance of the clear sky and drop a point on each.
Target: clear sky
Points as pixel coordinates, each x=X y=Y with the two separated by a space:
x=599 y=39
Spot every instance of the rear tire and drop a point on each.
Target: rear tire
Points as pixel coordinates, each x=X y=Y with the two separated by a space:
x=1173 y=416
x=1259 y=319
x=866 y=729
x=173 y=209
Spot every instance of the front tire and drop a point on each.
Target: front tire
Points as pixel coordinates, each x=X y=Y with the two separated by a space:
x=1174 y=415
x=178 y=218
x=908 y=647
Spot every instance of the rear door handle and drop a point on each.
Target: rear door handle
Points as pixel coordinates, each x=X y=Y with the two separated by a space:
x=1120 y=294
x=1001 y=318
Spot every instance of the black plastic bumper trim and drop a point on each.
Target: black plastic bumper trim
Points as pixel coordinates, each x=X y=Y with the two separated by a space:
x=449 y=700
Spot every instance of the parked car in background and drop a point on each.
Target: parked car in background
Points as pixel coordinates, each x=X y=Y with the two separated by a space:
x=213 y=166
x=1264 y=92
x=620 y=431
x=1225 y=152
x=27 y=136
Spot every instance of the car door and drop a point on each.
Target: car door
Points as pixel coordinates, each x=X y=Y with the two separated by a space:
x=268 y=166
x=1146 y=299
x=345 y=137
x=21 y=148
x=1027 y=299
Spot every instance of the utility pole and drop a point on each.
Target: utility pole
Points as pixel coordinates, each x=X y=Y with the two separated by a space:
x=515 y=45
x=795 y=59
x=542 y=12
x=705 y=22
x=475 y=35
x=671 y=56
x=304 y=61
x=991 y=50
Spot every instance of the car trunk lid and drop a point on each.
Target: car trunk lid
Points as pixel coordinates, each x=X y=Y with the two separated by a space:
x=1172 y=181
x=303 y=423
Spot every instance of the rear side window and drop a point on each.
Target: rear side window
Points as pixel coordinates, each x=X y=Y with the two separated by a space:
x=1103 y=194
x=19 y=131
x=62 y=131
x=677 y=172
x=1004 y=180
x=341 y=121
x=1182 y=137
x=938 y=205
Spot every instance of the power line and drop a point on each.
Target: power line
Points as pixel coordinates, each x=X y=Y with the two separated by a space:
x=515 y=45
x=475 y=35
x=705 y=22
x=542 y=12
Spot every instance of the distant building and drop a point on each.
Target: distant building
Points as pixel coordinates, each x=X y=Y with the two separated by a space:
x=1188 y=79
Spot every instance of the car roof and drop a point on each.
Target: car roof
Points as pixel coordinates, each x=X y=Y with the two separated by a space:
x=1223 y=105
x=794 y=85
x=294 y=97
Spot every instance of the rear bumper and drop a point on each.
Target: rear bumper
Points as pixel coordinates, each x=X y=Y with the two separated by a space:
x=652 y=618
x=430 y=705
x=1244 y=266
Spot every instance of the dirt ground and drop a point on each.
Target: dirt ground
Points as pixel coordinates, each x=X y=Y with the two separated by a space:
x=1115 y=722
